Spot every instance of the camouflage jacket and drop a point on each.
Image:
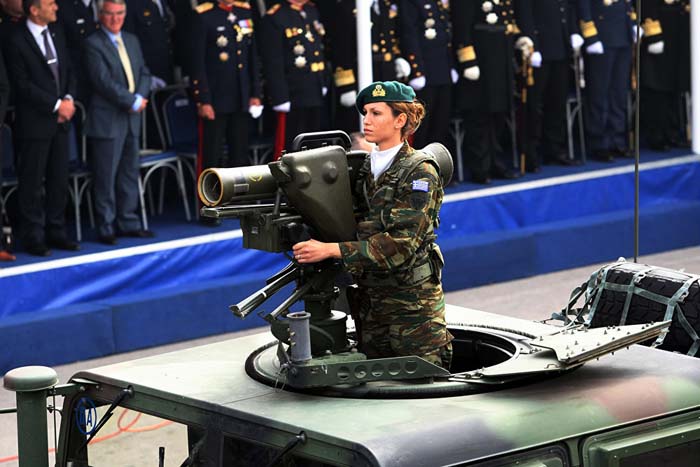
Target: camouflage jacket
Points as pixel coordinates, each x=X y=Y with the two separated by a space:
x=395 y=229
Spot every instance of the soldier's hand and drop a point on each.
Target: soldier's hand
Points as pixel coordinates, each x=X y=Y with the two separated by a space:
x=283 y=107
x=576 y=42
x=454 y=75
x=656 y=48
x=313 y=251
x=402 y=68
x=536 y=59
x=472 y=73
x=524 y=43
x=324 y=91
x=206 y=111
x=347 y=99
x=417 y=83
x=595 y=48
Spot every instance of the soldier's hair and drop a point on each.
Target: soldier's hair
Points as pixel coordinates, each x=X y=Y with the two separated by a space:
x=101 y=3
x=415 y=112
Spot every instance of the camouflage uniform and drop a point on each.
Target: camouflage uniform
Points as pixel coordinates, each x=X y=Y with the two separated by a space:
x=399 y=306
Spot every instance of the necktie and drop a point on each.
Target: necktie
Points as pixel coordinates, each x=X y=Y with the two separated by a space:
x=51 y=59
x=126 y=64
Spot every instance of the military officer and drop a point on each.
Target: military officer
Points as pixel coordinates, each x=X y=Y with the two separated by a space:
x=225 y=80
x=607 y=29
x=484 y=41
x=665 y=46
x=387 y=62
x=11 y=15
x=426 y=42
x=551 y=24
x=78 y=18
x=295 y=67
x=152 y=22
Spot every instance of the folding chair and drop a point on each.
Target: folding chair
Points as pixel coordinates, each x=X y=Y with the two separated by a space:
x=80 y=176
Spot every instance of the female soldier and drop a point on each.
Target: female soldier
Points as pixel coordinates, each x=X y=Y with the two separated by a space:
x=399 y=307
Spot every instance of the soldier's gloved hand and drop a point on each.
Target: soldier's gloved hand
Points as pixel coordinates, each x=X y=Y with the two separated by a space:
x=157 y=83
x=536 y=59
x=347 y=99
x=283 y=107
x=454 y=75
x=595 y=48
x=524 y=43
x=402 y=68
x=417 y=83
x=324 y=91
x=255 y=110
x=472 y=73
x=656 y=48
x=576 y=42
x=635 y=31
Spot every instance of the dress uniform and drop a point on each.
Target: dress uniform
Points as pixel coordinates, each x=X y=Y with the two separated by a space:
x=550 y=24
x=295 y=66
x=606 y=27
x=152 y=22
x=387 y=63
x=426 y=42
x=78 y=18
x=225 y=76
x=484 y=41
x=665 y=47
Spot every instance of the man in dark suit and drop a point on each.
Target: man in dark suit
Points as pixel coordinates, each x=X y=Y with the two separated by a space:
x=43 y=80
x=4 y=97
x=120 y=81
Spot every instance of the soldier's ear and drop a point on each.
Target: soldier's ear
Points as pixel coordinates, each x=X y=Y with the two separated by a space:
x=401 y=120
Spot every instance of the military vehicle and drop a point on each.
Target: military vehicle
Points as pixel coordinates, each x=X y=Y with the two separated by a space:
x=519 y=393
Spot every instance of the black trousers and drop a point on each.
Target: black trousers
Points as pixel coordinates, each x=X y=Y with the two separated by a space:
x=660 y=116
x=42 y=190
x=546 y=113
x=301 y=120
x=436 y=124
x=230 y=129
x=483 y=151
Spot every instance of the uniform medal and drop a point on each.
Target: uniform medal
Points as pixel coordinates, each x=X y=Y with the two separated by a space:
x=222 y=41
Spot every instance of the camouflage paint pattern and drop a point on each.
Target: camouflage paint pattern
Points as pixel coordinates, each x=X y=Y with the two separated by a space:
x=399 y=312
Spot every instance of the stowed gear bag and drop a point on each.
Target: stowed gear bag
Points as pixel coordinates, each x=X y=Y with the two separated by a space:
x=631 y=293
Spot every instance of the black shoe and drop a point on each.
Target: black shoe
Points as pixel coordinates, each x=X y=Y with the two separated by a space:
x=137 y=234
x=210 y=221
x=107 y=239
x=533 y=169
x=507 y=174
x=603 y=155
x=38 y=249
x=481 y=180
x=659 y=146
x=563 y=159
x=63 y=244
x=622 y=152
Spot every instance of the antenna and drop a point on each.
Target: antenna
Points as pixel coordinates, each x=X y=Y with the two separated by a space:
x=637 y=49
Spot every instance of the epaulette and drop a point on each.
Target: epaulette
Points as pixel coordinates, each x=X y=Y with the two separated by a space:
x=204 y=7
x=273 y=9
x=243 y=5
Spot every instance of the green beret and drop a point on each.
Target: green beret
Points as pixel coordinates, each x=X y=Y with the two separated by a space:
x=384 y=91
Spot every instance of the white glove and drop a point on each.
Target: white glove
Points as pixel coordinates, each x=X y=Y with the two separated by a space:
x=536 y=59
x=472 y=73
x=283 y=107
x=595 y=48
x=576 y=42
x=347 y=99
x=524 y=43
x=656 y=48
x=402 y=68
x=255 y=110
x=324 y=91
x=635 y=31
x=454 y=75
x=156 y=83
x=417 y=83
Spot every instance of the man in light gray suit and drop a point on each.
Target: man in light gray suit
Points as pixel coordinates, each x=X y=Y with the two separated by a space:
x=120 y=82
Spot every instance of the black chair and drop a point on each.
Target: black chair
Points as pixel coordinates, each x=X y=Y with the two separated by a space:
x=80 y=176
x=8 y=178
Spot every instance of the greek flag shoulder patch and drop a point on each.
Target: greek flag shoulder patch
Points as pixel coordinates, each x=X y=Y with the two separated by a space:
x=420 y=185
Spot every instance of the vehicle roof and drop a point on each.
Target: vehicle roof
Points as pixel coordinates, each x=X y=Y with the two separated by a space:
x=632 y=385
